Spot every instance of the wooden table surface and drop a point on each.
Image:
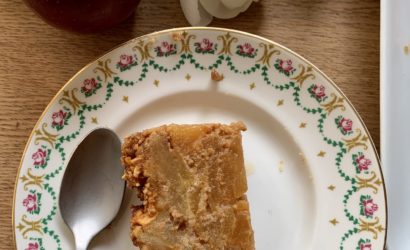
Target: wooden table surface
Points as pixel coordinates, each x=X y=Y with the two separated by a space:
x=341 y=37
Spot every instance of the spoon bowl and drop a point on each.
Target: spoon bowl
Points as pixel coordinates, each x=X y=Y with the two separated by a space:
x=92 y=188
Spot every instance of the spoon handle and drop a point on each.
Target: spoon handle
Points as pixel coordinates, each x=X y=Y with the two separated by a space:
x=81 y=244
x=81 y=247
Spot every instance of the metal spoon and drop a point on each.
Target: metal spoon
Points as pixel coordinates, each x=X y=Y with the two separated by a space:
x=92 y=188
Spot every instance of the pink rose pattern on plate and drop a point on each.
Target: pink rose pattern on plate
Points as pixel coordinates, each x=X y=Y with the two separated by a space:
x=285 y=66
x=166 y=49
x=361 y=163
x=318 y=92
x=32 y=202
x=246 y=50
x=32 y=246
x=60 y=118
x=367 y=206
x=41 y=157
x=205 y=47
x=126 y=62
x=364 y=245
x=90 y=87
x=344 y=125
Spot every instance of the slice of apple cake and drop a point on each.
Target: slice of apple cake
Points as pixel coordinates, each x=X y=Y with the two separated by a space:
x=191 y=181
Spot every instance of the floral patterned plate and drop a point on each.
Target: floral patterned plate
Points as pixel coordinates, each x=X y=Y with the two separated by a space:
x=313 y=173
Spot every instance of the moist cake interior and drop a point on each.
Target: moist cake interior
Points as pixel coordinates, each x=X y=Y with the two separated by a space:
x=191 y=181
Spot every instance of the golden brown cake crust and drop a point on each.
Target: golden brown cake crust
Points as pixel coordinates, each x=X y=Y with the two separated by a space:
x=192 y=182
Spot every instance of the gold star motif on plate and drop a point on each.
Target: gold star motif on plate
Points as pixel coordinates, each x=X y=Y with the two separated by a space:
x=65 y=93
x=321 y=154
x=252 y=85
x=20 y=227
x=331 y=187
x=156 y=83
x=188 y=77
x=380 y=228
x=280 y=102
x=302 y=125
x=334 y=222
x=94 y=120
x=125 y=98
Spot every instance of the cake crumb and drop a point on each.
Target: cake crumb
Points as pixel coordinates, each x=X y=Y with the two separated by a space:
x=216 y=76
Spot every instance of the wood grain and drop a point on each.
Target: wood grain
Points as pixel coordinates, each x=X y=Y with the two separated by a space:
x=341 y=37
